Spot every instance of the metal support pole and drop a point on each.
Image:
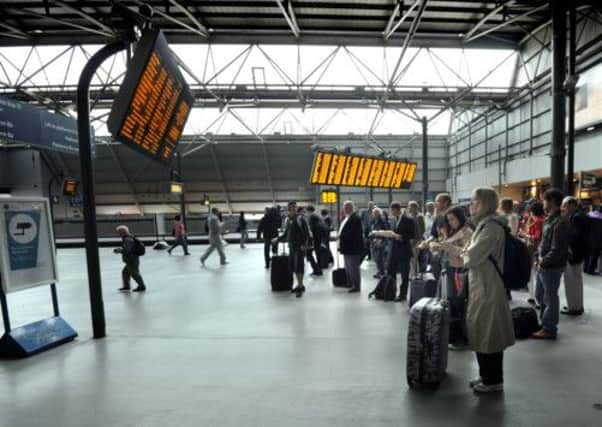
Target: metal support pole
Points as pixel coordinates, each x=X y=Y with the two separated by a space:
x=571 y=125
x=486 y=138
x=531 y=107
x=87 y=175
x=425 y=162
x=507 y=135
x=182 y=195
x=557 y=154
x=469 y=146
x=4 y=304
x=499 y=169
x=53 y=294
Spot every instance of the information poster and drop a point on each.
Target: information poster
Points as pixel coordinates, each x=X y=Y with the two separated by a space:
x=27 y=257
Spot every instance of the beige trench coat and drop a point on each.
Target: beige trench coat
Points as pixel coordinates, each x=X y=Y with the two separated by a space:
x=488 y=317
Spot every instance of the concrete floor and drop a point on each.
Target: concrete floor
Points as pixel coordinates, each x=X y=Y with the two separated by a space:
x=214 y=347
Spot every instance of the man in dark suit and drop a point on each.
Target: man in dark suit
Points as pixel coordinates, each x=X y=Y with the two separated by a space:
x=404 y=231
x=268 y=227
x=351 y=245
x=318 y=230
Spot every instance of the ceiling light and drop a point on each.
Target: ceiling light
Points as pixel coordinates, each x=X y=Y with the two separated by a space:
x=38 y=31
x=591 y=128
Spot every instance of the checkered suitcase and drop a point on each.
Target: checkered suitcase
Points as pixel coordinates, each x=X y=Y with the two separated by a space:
x=428 y=336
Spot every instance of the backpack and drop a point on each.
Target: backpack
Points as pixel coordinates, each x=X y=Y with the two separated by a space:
x=139 y=248
x=517 y=261
x=385 y=289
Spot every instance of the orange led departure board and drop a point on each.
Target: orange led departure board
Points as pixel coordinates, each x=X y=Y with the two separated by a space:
x=361 y=171
x=153 y=103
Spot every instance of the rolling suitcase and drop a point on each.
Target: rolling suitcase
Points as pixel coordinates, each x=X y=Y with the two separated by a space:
x=424 y=285
x=339 y=278
x=281 y=276
x=428 y=336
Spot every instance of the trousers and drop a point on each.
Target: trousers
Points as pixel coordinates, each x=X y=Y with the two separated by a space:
x=491 y=367
x=573 y=286
x=132 y=270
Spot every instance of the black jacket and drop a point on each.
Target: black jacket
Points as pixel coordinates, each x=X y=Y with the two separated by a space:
x=317 y=227
x=128 y=249
x=268 y=227
x=352 y=236
x=554 y=247
x=296 y=233
x=406 y=228
x=578 y=238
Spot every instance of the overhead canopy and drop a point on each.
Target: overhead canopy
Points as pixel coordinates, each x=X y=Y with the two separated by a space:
x=361 y=22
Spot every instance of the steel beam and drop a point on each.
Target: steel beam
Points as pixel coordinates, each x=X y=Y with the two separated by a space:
x=84 y=15
x=289 y=16
x=506 y=23
x=487 y=17
x=202 y=29
x=557 y=153
x=390 y=30
x=407 y=40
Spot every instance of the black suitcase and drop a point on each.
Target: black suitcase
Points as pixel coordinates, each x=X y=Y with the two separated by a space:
x=385 y=289
x=281 y=276
x=323 y=257
x=339 y=278
x=525 y=320
x=428 y=337
x=424 y=285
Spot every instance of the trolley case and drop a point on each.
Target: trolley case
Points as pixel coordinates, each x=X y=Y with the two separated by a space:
x=424 y=285
x=339 y=278
x=281 y=276
x=428 y=336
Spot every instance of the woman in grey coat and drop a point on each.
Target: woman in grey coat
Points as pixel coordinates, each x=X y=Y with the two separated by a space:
x=489 y=320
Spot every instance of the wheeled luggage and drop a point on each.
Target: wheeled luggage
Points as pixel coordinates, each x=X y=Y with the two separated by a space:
x=424 y=285
x=428 y=336
x=323 y=256
x=281 y=276
x=525 y=320
x=339 y=278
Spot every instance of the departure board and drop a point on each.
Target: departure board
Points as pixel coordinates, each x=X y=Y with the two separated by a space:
x=361 y=171
x=154 y=101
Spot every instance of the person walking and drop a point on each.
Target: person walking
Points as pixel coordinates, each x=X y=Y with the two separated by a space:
x=297 y=234
x=378 y=243
x=402 y=234
x=551 y=262
x=179 y=232
x=488 y=318
x=351 y=245
x=578 y=249
x=242 y=229
x=131 y=250
x=215 y=238
x=268 y=228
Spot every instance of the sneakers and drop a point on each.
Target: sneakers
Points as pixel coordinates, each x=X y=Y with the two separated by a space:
x=140 y=289
x=568 y=312
x=481 y=388
x=475 y=382
x=542 y=334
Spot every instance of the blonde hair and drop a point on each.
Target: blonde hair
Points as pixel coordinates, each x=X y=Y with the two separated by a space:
x=488 y=198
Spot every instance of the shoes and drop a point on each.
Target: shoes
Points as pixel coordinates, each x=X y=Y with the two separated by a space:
x=140 y=289
x=298 y=291
x=542 y=334
x=378 y=276
x=317 y=273
x=353 y=290
x=457 y=347
x=475 y=382
x=186 y=254
x=224 y=263
x=568 y=312
x=169 y=252
x=481 y=388
x=124 y=289
x=267 y=267
x=202 y=262
x=531 y=301
x=400 y=299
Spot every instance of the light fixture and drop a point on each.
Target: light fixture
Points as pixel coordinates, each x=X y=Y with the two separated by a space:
x=176 y=188
x=591 y=128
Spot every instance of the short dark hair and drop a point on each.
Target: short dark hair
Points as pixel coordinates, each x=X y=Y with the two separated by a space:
x=291 y=204
x=537 y=208
x=310 y=208
x=507 y=204
x=459 y=213
x=554 y=195
x=177 y=217
x=395 y=205
x=215 y=211
x=324 y=212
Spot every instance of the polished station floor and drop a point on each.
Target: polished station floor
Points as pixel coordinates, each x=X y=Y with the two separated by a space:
x=215 y=347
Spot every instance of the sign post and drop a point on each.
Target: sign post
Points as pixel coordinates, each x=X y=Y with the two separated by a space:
x=28 y=259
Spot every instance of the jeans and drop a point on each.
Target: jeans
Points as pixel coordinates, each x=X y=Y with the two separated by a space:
x=132 y=270
x=180 y=241
x=546 y=294
x=215 y=243
x=491 y=367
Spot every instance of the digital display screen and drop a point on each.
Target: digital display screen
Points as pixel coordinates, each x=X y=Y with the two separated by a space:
x=329 y=197
x=70 y=187
x=154 y=101
x=361 y=171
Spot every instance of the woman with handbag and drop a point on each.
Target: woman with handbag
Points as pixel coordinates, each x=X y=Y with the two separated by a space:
x=455 y=238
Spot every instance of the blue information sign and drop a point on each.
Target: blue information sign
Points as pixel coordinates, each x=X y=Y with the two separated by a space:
x=25 y=124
